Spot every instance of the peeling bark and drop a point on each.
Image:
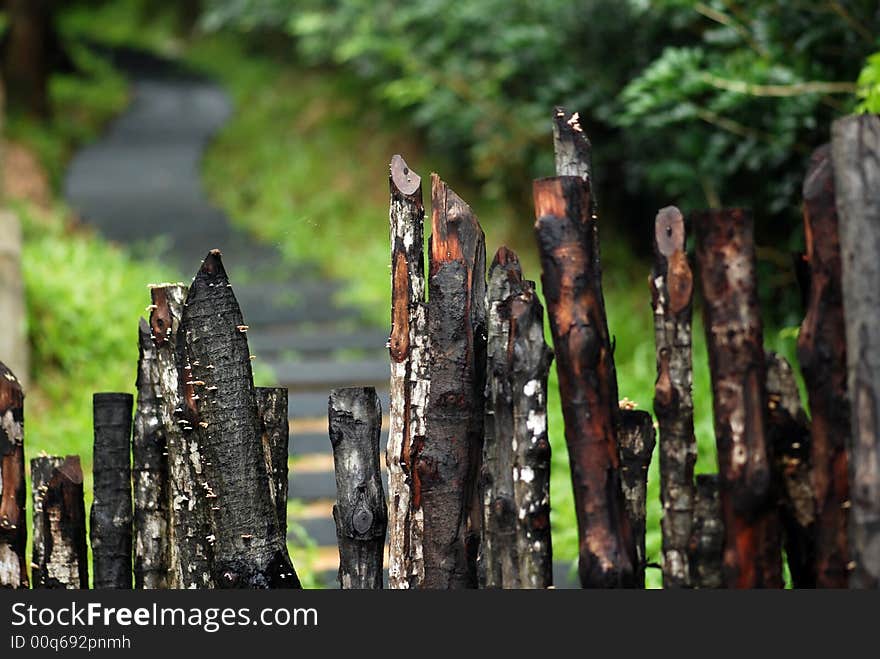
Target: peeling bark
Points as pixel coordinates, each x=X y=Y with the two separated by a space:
x=672 y=286
x=855 y=149
x=515 y=549
x=13 y=517
x=447 y=461
x=355 y=420
x=249 y=549
x=110 y=528
x=275 y=437
x=408 y=348
x=636 y=444
x=822 y=357
x=587 y=381
x=734 y=335
x=60 y=557
x=705 y=556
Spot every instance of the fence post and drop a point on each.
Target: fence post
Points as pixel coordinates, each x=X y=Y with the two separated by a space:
x=408 y=348
x=111 y=516
x=13 y=518
x=636 y=444
x=275 y=437
x=734 y=334
x=672 y=286
x=587 y=381
x=355 y=423
x=707 y=542
x=822 y=356
x=447 y=460
x=855 y=148
x=60 y=551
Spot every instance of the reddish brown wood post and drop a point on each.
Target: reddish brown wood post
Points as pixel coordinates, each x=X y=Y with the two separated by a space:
x=13 y=518
x=822 y=357
x=734 y=334
x=447 y=462
x=587 y=382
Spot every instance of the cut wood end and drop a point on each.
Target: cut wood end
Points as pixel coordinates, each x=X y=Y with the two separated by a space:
x=71 y=469
x=212 y=266
x=669 y=235
x=454 y=226
x=507 y=260
x=402 y=177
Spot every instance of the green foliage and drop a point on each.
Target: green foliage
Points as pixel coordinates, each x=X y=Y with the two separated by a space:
x=869 y=85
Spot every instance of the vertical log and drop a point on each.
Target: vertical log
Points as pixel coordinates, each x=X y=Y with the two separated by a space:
x=60 y=552
x=515 y=549
x=587 y=382
x=111 y=516
x=855 y=149
x=249 y=550
x=355 y=420
x=705 y=557
x=150 y=474
x=13 y=518
x=734 y=335
x=447 y=461
x=408 y=348
x=275 y=437
x=788 y=431
x=572 y=149
x=672 y=286
x=636 y=444
x=822 y=357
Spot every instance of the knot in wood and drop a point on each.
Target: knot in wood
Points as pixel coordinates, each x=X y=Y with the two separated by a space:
x=362 y=520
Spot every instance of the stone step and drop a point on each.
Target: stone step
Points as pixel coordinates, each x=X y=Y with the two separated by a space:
x=313 y=485
x=272 y=340
x=316 y=442
x=316 y=374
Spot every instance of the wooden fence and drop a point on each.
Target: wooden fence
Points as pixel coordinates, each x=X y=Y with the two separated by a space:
x=190 y=479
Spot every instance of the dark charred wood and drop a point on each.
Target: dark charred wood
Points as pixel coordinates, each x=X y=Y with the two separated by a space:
x=636 y=439
x=587 y=381
x=13 y=517
x=355 y=419
x=275 y=436
x=572 y=148
x=705 y=556
x=734 y=335
x=110 y=528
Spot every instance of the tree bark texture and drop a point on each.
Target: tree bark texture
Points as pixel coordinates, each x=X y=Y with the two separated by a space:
x=360 y=513
x=275 y=437
x=150 y=474
x=855 y=150
x=587 y=381
x=515 y=549
x=110 y=529
x=788 y=431
x=734 y=335
x=672 y=286
x=572 y=149
x=636 y=444
x=60 y=556
x=447 y=461
x=408 y=348
x=705 y=555
x=13 y=517
x=249 y=548
x=822 y=357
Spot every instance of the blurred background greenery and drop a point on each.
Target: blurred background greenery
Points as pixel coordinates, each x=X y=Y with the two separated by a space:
x=700 y=104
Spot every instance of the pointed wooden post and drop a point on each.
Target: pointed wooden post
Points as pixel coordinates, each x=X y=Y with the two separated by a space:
x=13 y=518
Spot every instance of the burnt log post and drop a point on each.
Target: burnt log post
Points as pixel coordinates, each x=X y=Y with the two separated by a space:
x=60 y=551
x=636 y=440
x=855 y=150
x=788 y=432
x=408 y=350
x=515 y=548
x=248 y=546
x=110 y=528
x=706 y=549
x=572 y=149
x=447 y=461
x=734 y=336
x=149 y=453
x=13 y=517
x=821 y=350
x=587 y=382
x=360 y=513
x=275 y=438
x=672 y=286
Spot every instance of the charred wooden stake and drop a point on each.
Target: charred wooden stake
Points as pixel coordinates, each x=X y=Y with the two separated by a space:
x=636 y=444
x=734 y=334
x=572 y=148
x=788 y=430
x=705 y=556
x=672 y=286
x=355 y=419
x=110 y=528
x=275 y=436
x=249 y=548
x=515 y=550
x=822 y=357
x=60 y=553
x=408 y=348
x=855 y=149
x=13 y=518
x=150 y=474
x=447 y=461
x=587 y=382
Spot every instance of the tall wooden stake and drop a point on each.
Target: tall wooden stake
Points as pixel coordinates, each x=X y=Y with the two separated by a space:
x=636 y=439
x=707 y=542
x=13 y=518
x=275 y=438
